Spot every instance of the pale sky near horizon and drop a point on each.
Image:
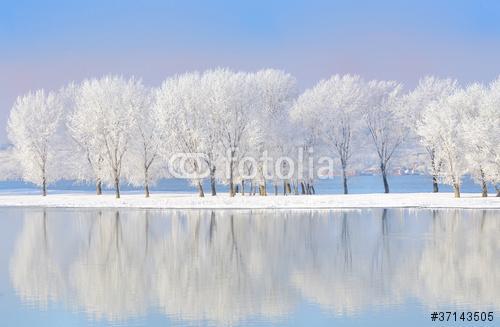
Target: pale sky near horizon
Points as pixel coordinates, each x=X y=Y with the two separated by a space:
x=46 y=44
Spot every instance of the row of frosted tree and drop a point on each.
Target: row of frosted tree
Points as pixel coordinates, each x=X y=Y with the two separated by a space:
x=113 y=130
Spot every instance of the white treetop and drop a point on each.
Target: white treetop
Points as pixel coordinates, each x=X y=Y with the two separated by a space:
x=9 y=165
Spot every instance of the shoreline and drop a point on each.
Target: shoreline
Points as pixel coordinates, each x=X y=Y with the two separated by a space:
x=223 y=201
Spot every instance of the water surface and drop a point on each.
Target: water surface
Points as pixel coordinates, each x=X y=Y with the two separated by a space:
x=393 y=267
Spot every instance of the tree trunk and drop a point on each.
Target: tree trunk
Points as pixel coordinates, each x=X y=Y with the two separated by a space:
x=384 y=177
x=303 y=188
x=231 y=177
x=344 y=179
x=484 y=186
x=146 y=183
x=44 y=186
x=117 y=187
x=200 y=189
x=484 y=192
x=435 y=187
x=296 y=188
x=435 y=170
x=212 y=181
x=242 y=187
x=313 y=191
x=497 y=188
x=262 y=190
x=456 y=189
x=288 y=187
x=98 y=187
x=275 y=188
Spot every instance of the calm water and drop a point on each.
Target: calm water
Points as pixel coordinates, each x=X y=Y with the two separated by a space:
x=74 y=267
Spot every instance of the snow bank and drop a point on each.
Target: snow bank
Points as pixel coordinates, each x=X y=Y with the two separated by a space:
x=223 y=201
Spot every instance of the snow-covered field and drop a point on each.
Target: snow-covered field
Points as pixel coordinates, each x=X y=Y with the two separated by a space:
x=223 y=201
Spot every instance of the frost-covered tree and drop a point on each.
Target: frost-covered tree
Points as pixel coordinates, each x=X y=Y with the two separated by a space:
x=144 y=165
x=481 y=136
x=384 y=120
x=211 y=129
x=337 y=103
x=276 y=93
x=306 y=142
x=9 y=165
x=32 y=128
x=489 y=118
x=429 y=89
x=473 y=125
x=106 y=109
x=179 y=111
x=235 y=104
x=444 y=121
x=86 y=158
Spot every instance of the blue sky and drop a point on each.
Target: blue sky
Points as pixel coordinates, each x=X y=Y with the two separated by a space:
x=45 y=44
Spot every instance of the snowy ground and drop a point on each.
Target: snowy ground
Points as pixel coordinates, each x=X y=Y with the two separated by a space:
x=223 y=201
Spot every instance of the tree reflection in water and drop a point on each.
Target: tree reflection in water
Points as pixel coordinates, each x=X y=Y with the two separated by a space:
x=229 y=266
